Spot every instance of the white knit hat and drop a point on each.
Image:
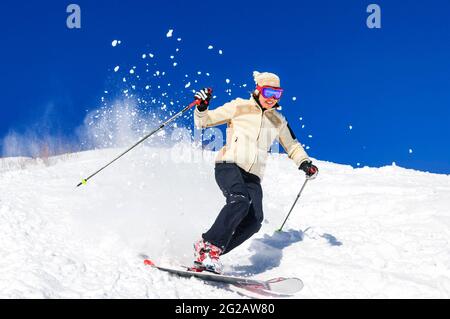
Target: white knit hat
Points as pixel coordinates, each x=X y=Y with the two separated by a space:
x=266 y=78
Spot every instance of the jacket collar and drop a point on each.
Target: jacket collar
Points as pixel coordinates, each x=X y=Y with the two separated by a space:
x=255 y=99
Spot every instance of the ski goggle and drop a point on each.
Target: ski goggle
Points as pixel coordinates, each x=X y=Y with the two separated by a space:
x=270 y=91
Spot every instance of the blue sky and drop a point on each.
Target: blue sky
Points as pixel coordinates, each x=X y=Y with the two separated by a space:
x=392 y=85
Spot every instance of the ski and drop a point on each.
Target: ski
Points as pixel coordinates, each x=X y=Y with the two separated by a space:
x=280 y=286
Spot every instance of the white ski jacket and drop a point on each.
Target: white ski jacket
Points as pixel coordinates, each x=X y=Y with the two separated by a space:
x=250 y=134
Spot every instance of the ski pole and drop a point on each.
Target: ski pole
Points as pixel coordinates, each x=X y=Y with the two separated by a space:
x=196 y=102
x=295 y=202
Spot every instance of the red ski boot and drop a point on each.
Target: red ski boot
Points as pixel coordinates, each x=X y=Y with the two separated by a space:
x=207 y=257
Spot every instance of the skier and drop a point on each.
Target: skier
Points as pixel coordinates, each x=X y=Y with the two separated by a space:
x=252 y=126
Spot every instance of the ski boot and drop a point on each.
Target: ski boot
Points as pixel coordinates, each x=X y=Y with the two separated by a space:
x=207 y=257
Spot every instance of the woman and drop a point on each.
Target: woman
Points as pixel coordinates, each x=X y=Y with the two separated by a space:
x=252 y=126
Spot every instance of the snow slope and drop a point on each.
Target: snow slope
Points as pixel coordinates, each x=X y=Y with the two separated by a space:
x=355 y=233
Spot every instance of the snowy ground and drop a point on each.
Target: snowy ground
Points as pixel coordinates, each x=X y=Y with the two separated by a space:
x=356 y=233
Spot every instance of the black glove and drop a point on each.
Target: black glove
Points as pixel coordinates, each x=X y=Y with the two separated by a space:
x=204 y=96
x=310 y=169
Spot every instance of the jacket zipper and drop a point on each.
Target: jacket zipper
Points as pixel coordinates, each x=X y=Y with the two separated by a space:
x=257 y=139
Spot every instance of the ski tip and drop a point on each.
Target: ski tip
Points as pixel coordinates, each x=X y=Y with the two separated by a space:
x=148 y=262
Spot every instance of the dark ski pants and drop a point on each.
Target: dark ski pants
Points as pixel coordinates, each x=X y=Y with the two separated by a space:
x=242 y=215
